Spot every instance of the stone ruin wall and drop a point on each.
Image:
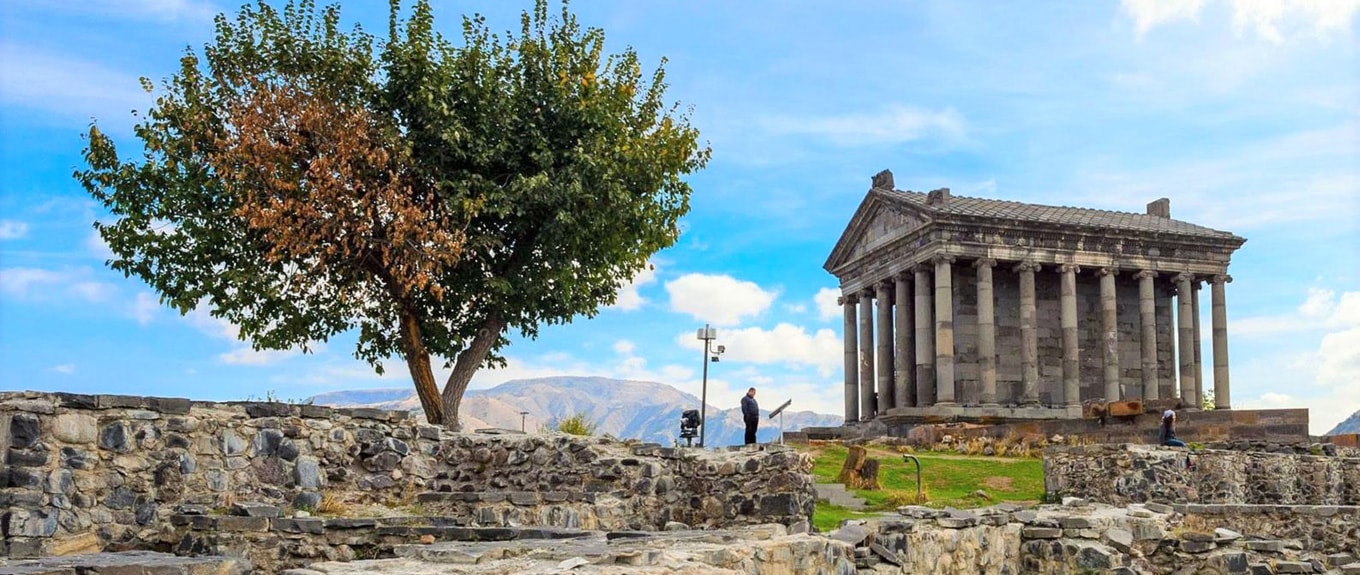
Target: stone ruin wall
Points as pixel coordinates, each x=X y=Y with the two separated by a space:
x=91 y=472
x=1230 y=473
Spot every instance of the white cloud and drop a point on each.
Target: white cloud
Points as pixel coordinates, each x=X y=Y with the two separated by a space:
x=894 y=125
x=718 y=299
x=786 y=344
x=827 y=307
x=163 y=10
x=629 y=299
x=1148 y=14
x=624 y=347
x=1265 y=17
x=65 y=369
x=12 y=229
x=144 y=308
x=44 y=284
x=96 y=245
x=248 y=356
x=201 y=318
x=68 y=87
x=1271 y=20
x=1321 y=310
x=1333 y=366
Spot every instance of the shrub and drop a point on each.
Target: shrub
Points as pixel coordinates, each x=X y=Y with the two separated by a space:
x=577 y=424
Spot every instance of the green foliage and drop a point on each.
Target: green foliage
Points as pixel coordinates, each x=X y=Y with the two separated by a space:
x=577 y=424
x=827 y=517
x=1206 y=399
x=559 y=165
x=950 y=480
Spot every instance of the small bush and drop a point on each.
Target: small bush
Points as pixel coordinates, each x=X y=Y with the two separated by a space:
x=577 y=424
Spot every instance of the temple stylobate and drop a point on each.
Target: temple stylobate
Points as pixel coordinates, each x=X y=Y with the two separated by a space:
x=967 y=307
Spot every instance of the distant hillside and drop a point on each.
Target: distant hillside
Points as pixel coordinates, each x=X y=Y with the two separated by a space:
x=625 y=409
x=1350 y=425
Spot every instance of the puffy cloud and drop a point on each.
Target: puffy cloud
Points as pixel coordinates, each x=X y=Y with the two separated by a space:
x=717 y=299
x=1266 y=16
x=893 y=125
x=1333 y=366
x=827 y=307
x=144 y=308
x=12 y=230
x=248 y=356
x=1147 y=14
x=38 y=283
x=1263 y=17
x=629 y=299
x=624 y=347
x=786 y=344
x=65 y=369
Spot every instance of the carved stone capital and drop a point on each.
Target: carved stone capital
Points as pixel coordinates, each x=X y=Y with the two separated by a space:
x=1027 y=266
x=1107 y=271
x=988 y=262
x=867 y=293
x=850 y=299
x=1184 y=277
x=1069 y=268
x=884 y=284
x=924 y=267
x=1221 y=279
x=1145 y=274
x=904 y=276
x=937 y=260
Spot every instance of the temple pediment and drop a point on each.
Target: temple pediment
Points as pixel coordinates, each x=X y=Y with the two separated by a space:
x=876 y=223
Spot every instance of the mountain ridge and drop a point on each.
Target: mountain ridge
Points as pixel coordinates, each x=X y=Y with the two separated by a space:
x=1349 y=425
x=634 y=409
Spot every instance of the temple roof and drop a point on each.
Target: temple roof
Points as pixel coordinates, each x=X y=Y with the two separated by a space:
x=1051 y=215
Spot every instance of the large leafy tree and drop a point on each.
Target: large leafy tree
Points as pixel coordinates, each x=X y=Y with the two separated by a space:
x=302 y=181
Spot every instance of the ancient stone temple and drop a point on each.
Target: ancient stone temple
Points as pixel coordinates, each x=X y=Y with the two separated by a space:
x=998 y=309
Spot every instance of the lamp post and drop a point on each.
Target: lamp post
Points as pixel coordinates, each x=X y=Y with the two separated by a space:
x=708 y=334
x=522 y=416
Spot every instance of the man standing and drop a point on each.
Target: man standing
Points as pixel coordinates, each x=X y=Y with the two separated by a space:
x=750 y=411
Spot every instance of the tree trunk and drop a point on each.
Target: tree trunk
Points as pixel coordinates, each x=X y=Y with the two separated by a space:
x=418 y=361
x=463 y=369
x=868 y=475
x=854 y=460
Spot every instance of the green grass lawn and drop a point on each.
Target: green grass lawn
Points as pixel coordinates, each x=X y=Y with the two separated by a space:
x=950 y=480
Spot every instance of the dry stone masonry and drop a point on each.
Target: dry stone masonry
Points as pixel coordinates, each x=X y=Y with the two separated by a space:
x=101 y=472
x=1119 y=474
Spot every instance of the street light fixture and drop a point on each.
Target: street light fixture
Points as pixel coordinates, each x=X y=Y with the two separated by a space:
x=522 y=416
x=708 y=334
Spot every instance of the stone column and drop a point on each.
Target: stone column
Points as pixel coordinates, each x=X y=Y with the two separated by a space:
x=1199 y=343
x=1185 y=341
x=849 y=329
x=1148 y=317
x=944 y=329
x=1029 y=336
x=986 y=310
x=885 y=346
x=1109 y=333
x=925 y=338
x=867 y=401
x=904 y=390
x=1222 y=394
x=1071 y=363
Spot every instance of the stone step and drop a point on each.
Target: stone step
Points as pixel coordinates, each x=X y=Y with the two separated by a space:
x=837 y=494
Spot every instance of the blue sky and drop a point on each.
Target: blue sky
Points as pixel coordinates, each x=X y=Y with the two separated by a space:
x=1245 y=113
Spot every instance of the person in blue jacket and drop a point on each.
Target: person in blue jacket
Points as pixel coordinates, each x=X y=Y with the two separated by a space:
x=750 y=411
x=1167 y=434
